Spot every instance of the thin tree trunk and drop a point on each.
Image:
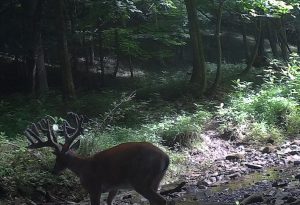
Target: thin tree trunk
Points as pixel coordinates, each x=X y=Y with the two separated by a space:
x=255 y=49
x=101 y=55
x=246 y=47
x=261 y=48
x=86 y=53
x=283 y=41
x=219 y=46
x=35 y=53
x=92 y=52
x=117 y=50
x=273 y=38
x=199 y=67
x=297 y=25
x=130 y=66
x=298 y=32
x=75 y=45
x=40 y=66
x=67 y=78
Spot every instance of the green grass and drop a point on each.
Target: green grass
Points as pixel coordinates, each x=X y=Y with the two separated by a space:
x=270 y=110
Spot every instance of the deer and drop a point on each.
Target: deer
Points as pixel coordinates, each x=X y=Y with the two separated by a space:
x=133 y=165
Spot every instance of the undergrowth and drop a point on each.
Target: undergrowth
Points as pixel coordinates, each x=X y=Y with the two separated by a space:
x=161 y=111
x=270 y=110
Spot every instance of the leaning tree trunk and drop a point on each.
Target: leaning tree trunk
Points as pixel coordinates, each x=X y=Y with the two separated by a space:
x=255 y=49
x=67 y=78
x=283 y=40
x=199 y=67
x=219 y=46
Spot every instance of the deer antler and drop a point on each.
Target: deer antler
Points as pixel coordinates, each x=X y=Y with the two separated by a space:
x=34 y=132
x=76 y=131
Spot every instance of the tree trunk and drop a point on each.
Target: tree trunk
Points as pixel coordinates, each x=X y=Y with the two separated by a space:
x=117 y=50
x=261 y=48
x=35 y=64
x=246 y=47
x=283 y=40
x=297 y=26
x=130 y=66
x=101 y=55
x=255 y=49
x=199 y=67
x=92 y=52
x=273 y=38
x=42 y=83
x=67 y=78
x=219 y=12
x=75 y=45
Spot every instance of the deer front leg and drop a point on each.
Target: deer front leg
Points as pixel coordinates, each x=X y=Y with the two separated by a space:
x=95 y=198
x=111 y=196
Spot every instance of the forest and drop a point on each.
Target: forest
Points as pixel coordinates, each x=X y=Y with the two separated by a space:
x=150 y=102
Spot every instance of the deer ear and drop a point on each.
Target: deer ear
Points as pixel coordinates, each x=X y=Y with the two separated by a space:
x=75 y=145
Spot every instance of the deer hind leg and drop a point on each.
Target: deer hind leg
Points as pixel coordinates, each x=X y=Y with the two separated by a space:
x=153 y=197
x=111 y=196
x=95 y=198
x=154 y=184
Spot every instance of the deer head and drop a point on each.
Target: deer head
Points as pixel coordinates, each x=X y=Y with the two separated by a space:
x=36 y=132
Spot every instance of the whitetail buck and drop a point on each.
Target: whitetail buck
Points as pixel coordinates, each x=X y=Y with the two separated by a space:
x=137 y=165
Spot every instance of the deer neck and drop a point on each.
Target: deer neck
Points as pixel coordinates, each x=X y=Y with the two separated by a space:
x=76 y=163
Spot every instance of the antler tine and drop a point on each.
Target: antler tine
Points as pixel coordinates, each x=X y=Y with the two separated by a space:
x=42 y=125
x=50 y=118
x=33 y=134
x=69 y=138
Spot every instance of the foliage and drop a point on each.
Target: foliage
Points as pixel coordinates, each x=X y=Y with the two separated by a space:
x=27 y=172
x=267 y=7
x=271 y=110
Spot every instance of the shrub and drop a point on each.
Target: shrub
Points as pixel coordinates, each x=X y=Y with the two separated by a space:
x=270 y=110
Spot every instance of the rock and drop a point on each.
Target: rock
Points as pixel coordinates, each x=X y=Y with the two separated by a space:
x=293 y=152
x=280 y=183
x=296 y=142
x=289 y=199
x=268 y=149
x=201 y=186
x=204 y=182
x=234 y=156
x=297 y=202
x=270 y=141
x=279 y=202
x=235 y=175
x=127 y=196
x=297 y=176
x=255 y=198
x=297 y=162
x=253 y=166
